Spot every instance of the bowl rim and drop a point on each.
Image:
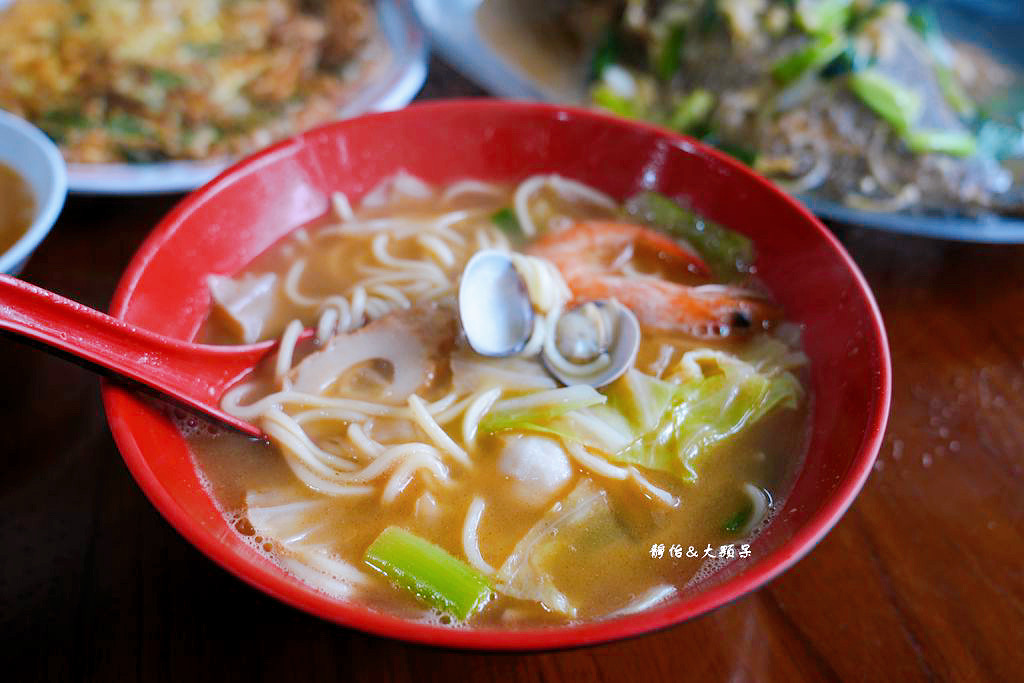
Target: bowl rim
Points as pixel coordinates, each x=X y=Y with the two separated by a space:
x=50 y=206
x=273 y=583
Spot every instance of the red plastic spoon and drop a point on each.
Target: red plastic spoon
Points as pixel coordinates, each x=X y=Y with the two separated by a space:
x=196 y=375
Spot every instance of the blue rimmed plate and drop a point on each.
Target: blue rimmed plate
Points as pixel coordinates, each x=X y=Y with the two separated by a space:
x=506 y=52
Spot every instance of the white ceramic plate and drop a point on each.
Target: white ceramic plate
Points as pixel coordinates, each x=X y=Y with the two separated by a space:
x=492 y=42
x=401 y=77
x=498 y=47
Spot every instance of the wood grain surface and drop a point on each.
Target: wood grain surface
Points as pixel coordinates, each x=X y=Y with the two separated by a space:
x=922 y=579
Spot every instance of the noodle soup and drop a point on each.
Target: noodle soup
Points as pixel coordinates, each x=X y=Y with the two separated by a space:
x=407 y=472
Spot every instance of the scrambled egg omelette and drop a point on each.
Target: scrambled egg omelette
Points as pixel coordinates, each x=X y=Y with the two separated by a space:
x=148 y=80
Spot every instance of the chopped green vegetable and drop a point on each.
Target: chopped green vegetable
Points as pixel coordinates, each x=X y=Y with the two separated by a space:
x=536 y=412
x=959 y=143
x=166 y=79
x=740 y=519
x=728 y=253
x=660 y=424
x=669 y=53
x=607 y=52
x=708 y=17
x=57 y=122
x=641 y=399
x=606 y=98
x=850 y=59
x=954 y=92
x=125 y=124
x=65 y=118
x=817 y=16
x=692 y=111
x=506 y=221
x=714 y=410
x=206 y=49
x=611 y=431
x=812 y=57
x=575 y=530
x=896 y=104
x=429 y=572
x=706 y=412
x=924 y=22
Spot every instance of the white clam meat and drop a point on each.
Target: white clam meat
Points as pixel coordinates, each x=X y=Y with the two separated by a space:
x=594 y=343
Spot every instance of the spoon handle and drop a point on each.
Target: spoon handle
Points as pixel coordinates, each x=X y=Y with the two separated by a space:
x=194 y=374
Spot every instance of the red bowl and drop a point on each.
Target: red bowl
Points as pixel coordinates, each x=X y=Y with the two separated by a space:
x=223 y=226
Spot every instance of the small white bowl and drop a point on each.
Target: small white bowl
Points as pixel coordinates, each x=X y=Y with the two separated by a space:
x=37 y=160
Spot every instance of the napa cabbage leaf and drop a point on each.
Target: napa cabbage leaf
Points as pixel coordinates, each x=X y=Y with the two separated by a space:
x=716 y=398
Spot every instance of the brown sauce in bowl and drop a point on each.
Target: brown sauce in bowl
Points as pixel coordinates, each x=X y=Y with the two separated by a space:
x=17 y=207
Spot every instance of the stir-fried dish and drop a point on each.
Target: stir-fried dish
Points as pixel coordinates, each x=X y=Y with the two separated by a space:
x=149 y=80
x=861 y=102
x=655 y=400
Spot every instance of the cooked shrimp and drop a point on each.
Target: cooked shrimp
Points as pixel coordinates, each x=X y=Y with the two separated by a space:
x=592 y=246
x=589 y=253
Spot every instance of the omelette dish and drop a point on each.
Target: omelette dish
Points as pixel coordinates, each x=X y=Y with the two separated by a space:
x=152 y=80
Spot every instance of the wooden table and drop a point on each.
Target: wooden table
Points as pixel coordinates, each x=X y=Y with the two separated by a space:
x=923 y=578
